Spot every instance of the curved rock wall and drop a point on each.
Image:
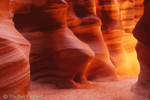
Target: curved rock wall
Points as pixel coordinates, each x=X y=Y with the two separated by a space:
x=57 y=56
x=112 y=29
x=117 y=24
x=138 y=9
x=14 y=55
x=127 y=17
x=142 y=34
x=97 y=41
x=84 y=23
x=129 y=42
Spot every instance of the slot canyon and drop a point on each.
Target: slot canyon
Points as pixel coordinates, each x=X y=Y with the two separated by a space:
x=74 y=50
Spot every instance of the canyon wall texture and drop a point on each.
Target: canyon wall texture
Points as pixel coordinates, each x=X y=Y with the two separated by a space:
x=117 y=18
x=142 y=34
x=113 y=32
x=72 y=42
x=128 y=9
x=138 y=9
x=14 y=55
x=57 y=55
x=128 y=21
x=84 y=23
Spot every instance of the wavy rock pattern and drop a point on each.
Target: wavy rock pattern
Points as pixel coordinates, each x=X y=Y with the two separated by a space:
x=81 y=19
x=127 y=17
x=138 y=9
x=129 y=42
x=14 y=55
x=112 y=29
x=69 y=56
x=142 y=34
x=117 y=24
x=57 y=56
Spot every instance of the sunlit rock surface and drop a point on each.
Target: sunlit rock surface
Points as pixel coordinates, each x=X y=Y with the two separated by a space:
x=117 y=24
x=112 y=29
x=72 y=42
x=14 y=55
x=128 y=20
x=138 y=9
x=86 y=26
x=127 y=17
x=57 y=56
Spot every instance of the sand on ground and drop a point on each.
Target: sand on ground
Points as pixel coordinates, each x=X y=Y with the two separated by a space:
x=118 y=90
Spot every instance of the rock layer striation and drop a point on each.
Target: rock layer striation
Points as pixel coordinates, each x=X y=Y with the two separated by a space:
x=142 y=34
x=14 y=55
x=57 y=55
x=86 y=26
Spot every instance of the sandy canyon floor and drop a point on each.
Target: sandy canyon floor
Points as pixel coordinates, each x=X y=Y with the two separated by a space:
x=118 y=90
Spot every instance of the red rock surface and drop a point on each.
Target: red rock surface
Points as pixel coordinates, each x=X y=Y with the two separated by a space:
x=141 y=31
x=57 y=56
x=14 y=55
x=138 y=9
x=117 y=24
x=72 y=41
x=142 y=34
x=84 y=23
x=127 y=17
x=128 y=20
x=112 y=29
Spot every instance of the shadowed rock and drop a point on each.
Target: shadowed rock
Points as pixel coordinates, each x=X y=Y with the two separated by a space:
x=86 y=26
x=14 y=55
x=57 y=56
x=142 y=34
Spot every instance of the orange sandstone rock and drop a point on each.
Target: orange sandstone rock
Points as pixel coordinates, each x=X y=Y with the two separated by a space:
x=117 y=24
x=128 y=20
x=127 y=17
x=14 y=55
x=86 y=26
x=138 y=9
x=57 y=56
x=142 y=34
x=112 y=29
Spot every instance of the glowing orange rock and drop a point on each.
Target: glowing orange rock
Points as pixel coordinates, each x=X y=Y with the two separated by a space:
x=14 y=55
x=112 y=29
x=127 y=16
x=138 y=9
x=57 y=56
x=81 y=19
x=117 y=24
x=142 y=34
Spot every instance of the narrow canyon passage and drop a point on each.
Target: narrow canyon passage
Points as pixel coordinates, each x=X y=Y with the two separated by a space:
x=74 y=50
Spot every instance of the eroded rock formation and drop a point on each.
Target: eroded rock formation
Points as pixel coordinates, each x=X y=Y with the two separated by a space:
x=117 y=24
x=112 y=29
x=57 y=56
x=138 y=9
x=84 y=23
x=70 y=56
x=127 y=17
x=14 y=54
x=142 y=34
x=128 y=20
